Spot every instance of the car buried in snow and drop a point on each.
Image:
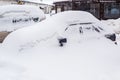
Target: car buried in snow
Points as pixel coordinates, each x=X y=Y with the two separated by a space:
x=13 y=17
x=87 y=31
x=83 y=26
x=65 y=27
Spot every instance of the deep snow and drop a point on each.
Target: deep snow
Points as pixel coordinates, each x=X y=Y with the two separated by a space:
x=33 y=53
x=93 y=60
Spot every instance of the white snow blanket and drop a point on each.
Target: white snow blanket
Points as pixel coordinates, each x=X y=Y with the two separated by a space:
x=33 y=53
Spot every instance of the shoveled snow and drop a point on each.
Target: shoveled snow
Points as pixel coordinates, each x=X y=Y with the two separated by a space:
x=33 y=53
x=13 y=17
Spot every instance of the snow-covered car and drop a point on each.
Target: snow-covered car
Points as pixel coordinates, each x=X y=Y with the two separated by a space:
x=66 y=27
x=33 y=53
x=82 y=25
x=13 y=17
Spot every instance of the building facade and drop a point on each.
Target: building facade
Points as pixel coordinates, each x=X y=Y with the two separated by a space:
x=102 y=9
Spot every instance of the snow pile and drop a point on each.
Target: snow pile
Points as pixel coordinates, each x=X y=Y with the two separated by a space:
x=13 y=17
x=66 y=24
x=114 y=24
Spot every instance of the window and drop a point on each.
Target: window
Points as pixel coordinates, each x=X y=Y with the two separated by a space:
x=112 y=10
x=94 y=9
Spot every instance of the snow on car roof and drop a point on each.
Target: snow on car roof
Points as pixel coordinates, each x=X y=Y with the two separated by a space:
x=75 y=16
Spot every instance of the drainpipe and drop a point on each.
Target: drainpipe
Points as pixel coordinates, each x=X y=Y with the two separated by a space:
x=55 y=8
x=101 y=10
x=72 y=4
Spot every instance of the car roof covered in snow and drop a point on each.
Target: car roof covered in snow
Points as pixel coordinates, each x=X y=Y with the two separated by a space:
x=75 y=17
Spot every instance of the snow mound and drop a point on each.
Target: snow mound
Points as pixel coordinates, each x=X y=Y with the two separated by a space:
x=13 y=17
x=114 y=24
x=76 y=26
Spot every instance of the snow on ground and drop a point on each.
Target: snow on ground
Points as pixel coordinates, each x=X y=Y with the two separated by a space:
x=13 y=17
x=33 y=53
x=93 y=60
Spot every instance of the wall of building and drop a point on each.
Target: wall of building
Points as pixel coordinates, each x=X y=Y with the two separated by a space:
x=102 y=9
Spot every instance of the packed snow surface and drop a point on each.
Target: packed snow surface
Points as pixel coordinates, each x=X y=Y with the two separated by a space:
x=13 y=17
x=33 y=53
x=93 y=60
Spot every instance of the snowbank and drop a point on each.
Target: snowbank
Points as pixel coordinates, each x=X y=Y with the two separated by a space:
x=66 y=24
x=114 y=24
x=13 y=17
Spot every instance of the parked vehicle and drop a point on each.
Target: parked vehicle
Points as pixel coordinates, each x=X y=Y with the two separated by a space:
x=13 y=17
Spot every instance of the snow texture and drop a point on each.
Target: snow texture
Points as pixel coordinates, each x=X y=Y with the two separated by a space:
x=33 y=53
